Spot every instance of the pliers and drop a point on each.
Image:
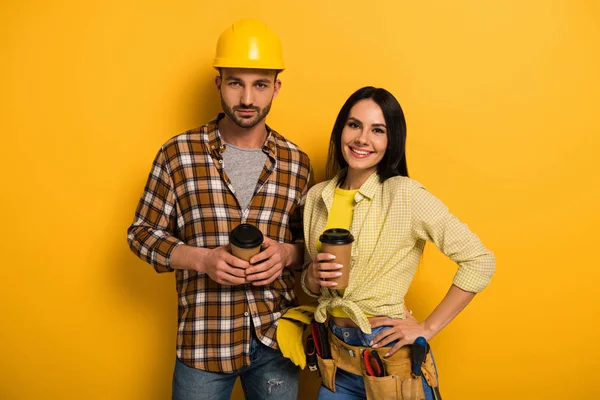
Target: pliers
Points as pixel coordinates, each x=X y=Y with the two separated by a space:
x=373 y=363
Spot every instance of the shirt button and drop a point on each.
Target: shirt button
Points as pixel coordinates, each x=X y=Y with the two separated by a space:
x=220 y=161
x=246 y=314
x=346 y=334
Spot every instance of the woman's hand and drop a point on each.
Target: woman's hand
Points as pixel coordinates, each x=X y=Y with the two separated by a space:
x=320 y=270
x=409 y=329
x=406 y=331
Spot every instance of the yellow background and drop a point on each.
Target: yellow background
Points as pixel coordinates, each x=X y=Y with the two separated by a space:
x=501 y=100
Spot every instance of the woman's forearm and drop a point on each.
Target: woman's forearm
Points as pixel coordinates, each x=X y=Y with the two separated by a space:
x=453 y=303
x=311 y=284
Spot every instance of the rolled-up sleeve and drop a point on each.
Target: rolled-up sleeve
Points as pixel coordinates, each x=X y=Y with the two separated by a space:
x=432 y=221
x=150 y=236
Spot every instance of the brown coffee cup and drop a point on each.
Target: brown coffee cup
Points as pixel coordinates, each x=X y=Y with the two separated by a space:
x=338 y=242
x=245 y=241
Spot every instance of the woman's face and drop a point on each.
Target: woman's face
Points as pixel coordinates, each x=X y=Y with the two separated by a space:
x=364 y=137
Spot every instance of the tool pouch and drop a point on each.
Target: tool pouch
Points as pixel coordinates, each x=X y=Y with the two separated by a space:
x=429 y=372
x=398 y=384
x=328 y=369
x=404 y=385
x=385 y=388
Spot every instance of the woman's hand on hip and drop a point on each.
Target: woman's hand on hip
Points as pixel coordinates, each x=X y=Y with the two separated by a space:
x=405 y=331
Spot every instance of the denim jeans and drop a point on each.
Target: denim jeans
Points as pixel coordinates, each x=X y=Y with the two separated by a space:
x=269 y=376
x=350 y=386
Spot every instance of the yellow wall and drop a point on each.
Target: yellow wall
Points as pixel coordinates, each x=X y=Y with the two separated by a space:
x=501 y=100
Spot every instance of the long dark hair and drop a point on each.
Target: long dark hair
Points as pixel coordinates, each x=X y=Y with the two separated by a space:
x=393 y=162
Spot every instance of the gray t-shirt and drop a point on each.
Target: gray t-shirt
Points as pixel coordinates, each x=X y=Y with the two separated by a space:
x=243 y=167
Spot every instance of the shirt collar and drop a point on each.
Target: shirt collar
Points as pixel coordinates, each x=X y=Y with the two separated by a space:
x=367 y=190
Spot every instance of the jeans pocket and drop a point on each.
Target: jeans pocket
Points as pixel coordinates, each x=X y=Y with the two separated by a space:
x=382 y=388
x=328 y=369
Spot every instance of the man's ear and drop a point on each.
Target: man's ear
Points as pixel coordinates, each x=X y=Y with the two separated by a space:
x=218 y=82
x=277 y=87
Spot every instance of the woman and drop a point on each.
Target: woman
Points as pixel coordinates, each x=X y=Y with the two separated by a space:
x=391 y=217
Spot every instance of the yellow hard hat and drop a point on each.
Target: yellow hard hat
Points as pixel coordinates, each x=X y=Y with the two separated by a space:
x=249 y=44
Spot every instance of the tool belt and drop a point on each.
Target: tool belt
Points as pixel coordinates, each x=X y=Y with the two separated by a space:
x=398 y=383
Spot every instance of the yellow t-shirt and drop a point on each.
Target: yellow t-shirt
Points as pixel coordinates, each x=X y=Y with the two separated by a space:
x=342 y=211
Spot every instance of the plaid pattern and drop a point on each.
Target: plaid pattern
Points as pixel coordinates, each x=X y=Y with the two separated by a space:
x=392 y=221
x=189 y=199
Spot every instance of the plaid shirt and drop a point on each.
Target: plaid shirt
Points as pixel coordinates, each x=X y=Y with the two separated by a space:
x=189 y=199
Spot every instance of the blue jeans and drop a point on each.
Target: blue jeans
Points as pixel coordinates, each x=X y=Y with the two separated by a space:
x=350 y=386
x=269 y=376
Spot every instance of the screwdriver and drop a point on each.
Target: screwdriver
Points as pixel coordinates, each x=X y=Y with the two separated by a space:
x=418 y=353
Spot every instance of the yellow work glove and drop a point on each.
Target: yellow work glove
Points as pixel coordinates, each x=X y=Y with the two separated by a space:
x=290 y=333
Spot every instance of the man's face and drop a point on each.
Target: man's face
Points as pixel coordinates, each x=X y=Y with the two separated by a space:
x=246 y=94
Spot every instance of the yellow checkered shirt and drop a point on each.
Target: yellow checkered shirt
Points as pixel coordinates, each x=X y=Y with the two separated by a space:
x=392 y=221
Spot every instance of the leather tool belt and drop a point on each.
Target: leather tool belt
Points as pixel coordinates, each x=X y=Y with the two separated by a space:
x=398 y=383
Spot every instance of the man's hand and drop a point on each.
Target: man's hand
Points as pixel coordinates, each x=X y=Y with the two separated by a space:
x=217 y=263
x=270 y=262
x=223 y=267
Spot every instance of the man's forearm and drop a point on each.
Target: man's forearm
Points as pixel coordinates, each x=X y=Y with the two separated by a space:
x=188 y=257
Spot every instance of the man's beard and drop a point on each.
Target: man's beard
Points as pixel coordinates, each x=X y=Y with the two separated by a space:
x=245 y=122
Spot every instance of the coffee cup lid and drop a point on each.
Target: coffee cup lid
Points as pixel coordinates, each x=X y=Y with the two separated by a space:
x=336 y=236
x=246 y=236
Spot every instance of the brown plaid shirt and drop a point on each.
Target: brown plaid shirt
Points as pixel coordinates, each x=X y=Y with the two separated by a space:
x=189 y=199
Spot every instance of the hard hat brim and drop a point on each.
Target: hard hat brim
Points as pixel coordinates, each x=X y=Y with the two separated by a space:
x=221 y=63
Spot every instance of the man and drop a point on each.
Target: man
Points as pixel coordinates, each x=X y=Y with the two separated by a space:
x=204 y=183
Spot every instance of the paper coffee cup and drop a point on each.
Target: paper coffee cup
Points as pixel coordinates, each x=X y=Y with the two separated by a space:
x=338 y=242
x=245 y=241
